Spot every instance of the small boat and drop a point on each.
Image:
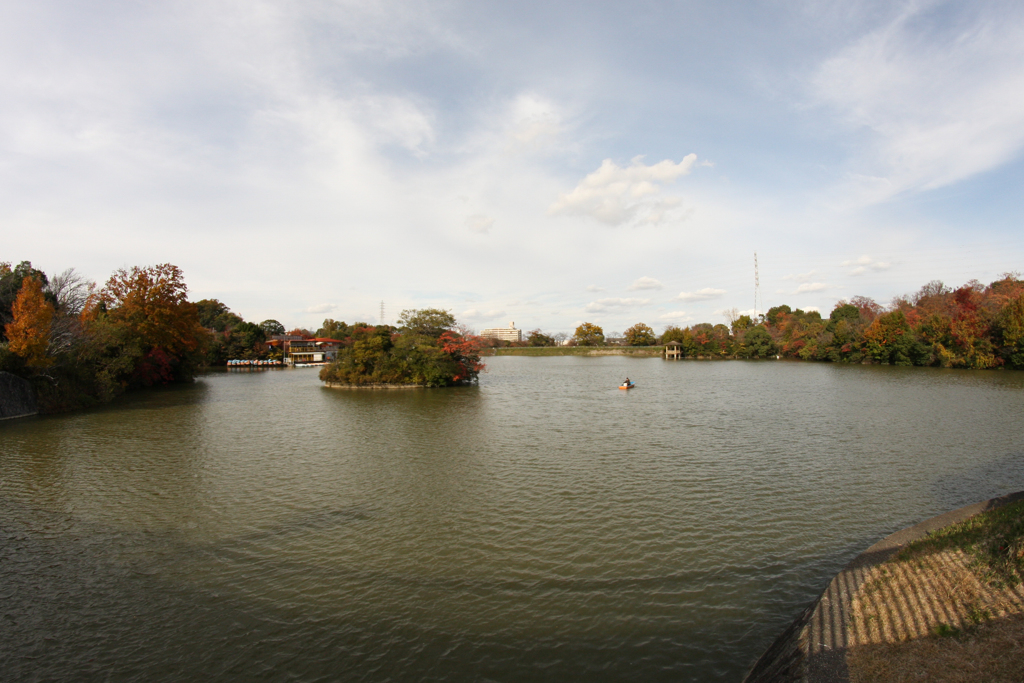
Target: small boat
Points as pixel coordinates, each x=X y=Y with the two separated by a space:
x=627 y=386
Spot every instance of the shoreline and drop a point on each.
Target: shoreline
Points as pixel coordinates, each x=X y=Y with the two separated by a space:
x=339 y=385
x=640 y=351
x=814 y=647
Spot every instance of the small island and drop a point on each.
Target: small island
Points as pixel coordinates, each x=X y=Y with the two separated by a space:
x=427 y=349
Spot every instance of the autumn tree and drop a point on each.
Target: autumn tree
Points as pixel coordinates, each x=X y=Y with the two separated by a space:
x=1011 y=332
x=152 y=304
x=538 y=338
x=640 y=335
x=11 y=281
x=889 y=339
x=28 y=333
x=589 y=334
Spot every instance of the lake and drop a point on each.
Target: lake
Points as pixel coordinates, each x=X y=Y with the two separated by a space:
x=543 y=526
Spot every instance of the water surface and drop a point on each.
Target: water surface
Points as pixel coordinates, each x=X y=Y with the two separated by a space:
x=542 y=526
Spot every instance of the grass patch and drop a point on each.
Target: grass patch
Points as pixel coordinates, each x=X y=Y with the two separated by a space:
x=994 y=539
x=945 y=631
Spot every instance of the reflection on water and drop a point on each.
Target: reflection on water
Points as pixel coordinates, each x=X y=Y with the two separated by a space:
x=541 y=526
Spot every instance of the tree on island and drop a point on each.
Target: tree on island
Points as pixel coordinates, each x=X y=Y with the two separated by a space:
x=425 y=350
x=428 y=321
x=589 y=334
x=640 y=335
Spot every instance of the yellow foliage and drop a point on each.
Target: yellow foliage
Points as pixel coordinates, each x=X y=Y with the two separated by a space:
x=29 y=331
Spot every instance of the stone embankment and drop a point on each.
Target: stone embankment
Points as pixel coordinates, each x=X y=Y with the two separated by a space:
x=17 y=399
x=814 y=647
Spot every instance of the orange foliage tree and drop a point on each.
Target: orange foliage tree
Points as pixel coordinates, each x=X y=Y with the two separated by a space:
x=152 y=304
x=29 y=331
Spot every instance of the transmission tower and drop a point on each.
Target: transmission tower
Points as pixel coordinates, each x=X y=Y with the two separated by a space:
x=757 y=288
x=381 y=312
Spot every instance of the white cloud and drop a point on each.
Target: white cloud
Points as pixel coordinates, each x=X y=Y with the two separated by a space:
x=396 y=120
x=865 y=263
x=536 y=123
x=476 y=314
x=616 y=195
x=941 y=90
x=645 y=283
x=605 y=305
x=808 y=287
x=321 y=308
x=676 y=317
x=701 y=294
x=595 y=288
x=479 y=223
x=801 y=277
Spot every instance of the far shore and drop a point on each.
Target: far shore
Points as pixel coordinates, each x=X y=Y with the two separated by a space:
x=644 y=351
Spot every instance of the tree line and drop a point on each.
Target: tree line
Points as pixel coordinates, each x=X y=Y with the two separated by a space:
x=973 y=326
x=80 y=345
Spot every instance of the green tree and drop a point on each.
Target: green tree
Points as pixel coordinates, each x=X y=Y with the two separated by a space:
x=640 y=335
x=538 y=338
x=889 y=339
x=334 y=329
x=741 y=323
x=757 y=343
x=271 y=327
x=589 y=334
x=843 y=311
x=428 y=321
x=673 y=333
x=1010 y=326
x=214 y=315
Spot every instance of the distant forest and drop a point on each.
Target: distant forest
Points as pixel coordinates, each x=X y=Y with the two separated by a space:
x=973 y=326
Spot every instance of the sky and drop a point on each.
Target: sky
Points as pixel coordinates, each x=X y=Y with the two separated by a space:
x=542 y=163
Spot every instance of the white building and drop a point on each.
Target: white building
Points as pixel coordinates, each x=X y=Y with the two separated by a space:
x=509 y=334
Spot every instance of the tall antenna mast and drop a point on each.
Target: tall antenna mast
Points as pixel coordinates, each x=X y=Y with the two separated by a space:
x=381 y=312
x=757 y=287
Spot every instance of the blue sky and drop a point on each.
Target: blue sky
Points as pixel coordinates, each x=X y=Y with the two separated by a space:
x=546 y=163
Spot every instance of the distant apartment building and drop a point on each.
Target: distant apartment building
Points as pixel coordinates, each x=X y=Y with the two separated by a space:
x=509 y=334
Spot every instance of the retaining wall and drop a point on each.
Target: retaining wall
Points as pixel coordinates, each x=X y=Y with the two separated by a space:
x=17 y=398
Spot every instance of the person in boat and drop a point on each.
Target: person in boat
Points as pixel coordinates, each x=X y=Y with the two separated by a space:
x=626 y=383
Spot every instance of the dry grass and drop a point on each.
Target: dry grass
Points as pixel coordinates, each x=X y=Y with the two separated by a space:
x=947 y=608
x=992 y=652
